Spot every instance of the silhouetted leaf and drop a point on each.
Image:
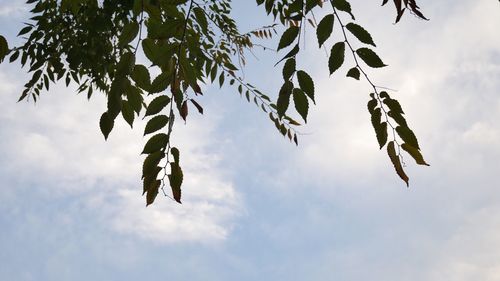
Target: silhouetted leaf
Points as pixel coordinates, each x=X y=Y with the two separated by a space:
x=155 y=143
x=354 y=73
x=152 y=192
x=360 y=33
x=407 y=136
x=197 y=105
x=175 y=178
x=293 y=52
x=370 y=57
x=106 y=124
x=157 y=105
x=325 y=28
x=184 y=110
x=161 y=82
x=379 y=126
x=130 y=31
x=372 y=104
x=289 y=69
x=415 y=153
x=396 y=162
x=336 y=57
x=128 y=113
x=149 y=167
x=306 y=84
x=343 y=5
x=141 y=76
x=301 y=103
x=156 y=123
x=288 y=37
x=284 y=98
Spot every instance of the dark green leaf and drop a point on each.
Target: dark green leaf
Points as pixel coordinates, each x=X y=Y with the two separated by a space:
x=4 y=48
x=155 y=143
x=290 y=54
x=288 y=37
x=371 y=105
x=128 y=113
x=157 y=105
x=106 y=124
x=393 y=105
x=306 y=84
x=301 y=103
x=130 y=31
x=336 y=57
x=354 y=73
x=175 y=179
x=408 y=136
x=149 y=167
x=325 y=28
x=161 y=82
x=415 y=153
x=284 y=98
x=141 y=76
x=343 y=5
x=289 y=69
x=380 y=127
x=156 y=123
x=396 y=162
x=176 y=154
x=360 y=33
x=152 y=192
x=370 y=57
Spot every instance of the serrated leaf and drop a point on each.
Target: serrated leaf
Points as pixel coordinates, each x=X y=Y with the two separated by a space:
x=407 y=136
x=359 y=32
x=336 y=57
x=128 y=113
x=201 y=18
x=284 y=98
x=150 y=164
x=4 y=48
x=176 y=154
x=288 y=37
x=295 y=50
x=371 y=105
x=155 y=143
x=175 y=178
x=354 y=73
x=184 y=110
x=141 y=77
x=156 y=123
x=161 y=82
x=306 y=84
x=393 y=105
x=325 y=28
x=106 y=124
x=380 y=127
x=289 y=69
x=152 y=192
x=157 y=105
x=398 y=118
x=343 y=5
x=415 y=153
x=370 y=57
x=396 y=162
x=301 y=103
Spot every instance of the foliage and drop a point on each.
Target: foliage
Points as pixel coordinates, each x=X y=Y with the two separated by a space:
x=96 y=43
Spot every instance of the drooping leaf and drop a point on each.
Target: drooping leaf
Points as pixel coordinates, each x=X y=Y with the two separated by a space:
x=284 y=98
x=106 y=124
x=130 y=31
x=288 y=37
x=306 y=84
x=301 y=103
x=415 y=153
x=156 y=123
x=157 y=105
x=336 y=57
x=325 y=28
x=295 y=50
x=407 y=136
x=176 y=154
x=343 y=5
x=379 y=126
x=128 y=113
x=161 y=82
x=393 y=105
x=156 y=143
x=370 y=57
x=360 y=33
x=175 y=178
x=391 y=150
x=149 y=167
x=152 y=192
x=289 y=69
x=372 y=104
x=354 y=73
x=197 y=105
x=184 y=110
x=141 y=76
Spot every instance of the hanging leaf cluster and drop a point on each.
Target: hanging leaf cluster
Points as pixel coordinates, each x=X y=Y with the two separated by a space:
x=186 y=43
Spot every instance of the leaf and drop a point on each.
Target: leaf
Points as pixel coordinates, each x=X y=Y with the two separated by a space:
x=156 y=123
x=306 y=84
x=292 y=53
x=301 y=103
x=157 y=105
x=288 y=37
x=201 y=18
x=141 y=77
x=344 y=6
x=155 y=143
x=325 y=28
x=149 y=167
x=393 y=105
x=128 y=113
x=175 y=153
x=4 y=48
x=284 y=98
x=152 y=192
x=370 y=57
x=184 y=110
x=415 y=153
x=360 y=33
x=336 y=57
x=197 y=105
x=371 y=105
x=106 y=124
x=175 y=178
x=396 y=162
x=354 y=73
x=25 y=30
x=161 y=82
x=380 y=127
x=408 y=136
x=130 y=31
x=289 y=69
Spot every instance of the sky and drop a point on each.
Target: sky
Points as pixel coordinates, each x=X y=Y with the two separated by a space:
x=255 y=207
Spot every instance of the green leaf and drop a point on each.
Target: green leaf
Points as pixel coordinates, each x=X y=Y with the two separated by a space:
x=301 y=103
x=155 y=143
x=354 y=73
x=149 y=167
x=176 y=154
x=156 y=123
x=4 y=48
x=130 y=31
x=161 y=82
x=336 y=57
x=175 y=179
x=415 y=153
x=295 y=50
x=398 y=118
x=134 y=97
x=284 y=98
x=141 y=76
x=396 y=162
x=380 y=127
x=370 y=57
x=25 y=30
x=288 y=37
x=360 y=33
x=393 y=105
x=371 y=105
x=128 y=113
x=408 y=136
x=343 y=5
x=325 y=28
x=289 y=69
x=306 y=84
x=106 y=124
x=201 y=18
x=157 y=105
x=152 y=192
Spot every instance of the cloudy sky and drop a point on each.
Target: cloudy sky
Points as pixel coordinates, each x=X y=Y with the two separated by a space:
x=256 y=207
